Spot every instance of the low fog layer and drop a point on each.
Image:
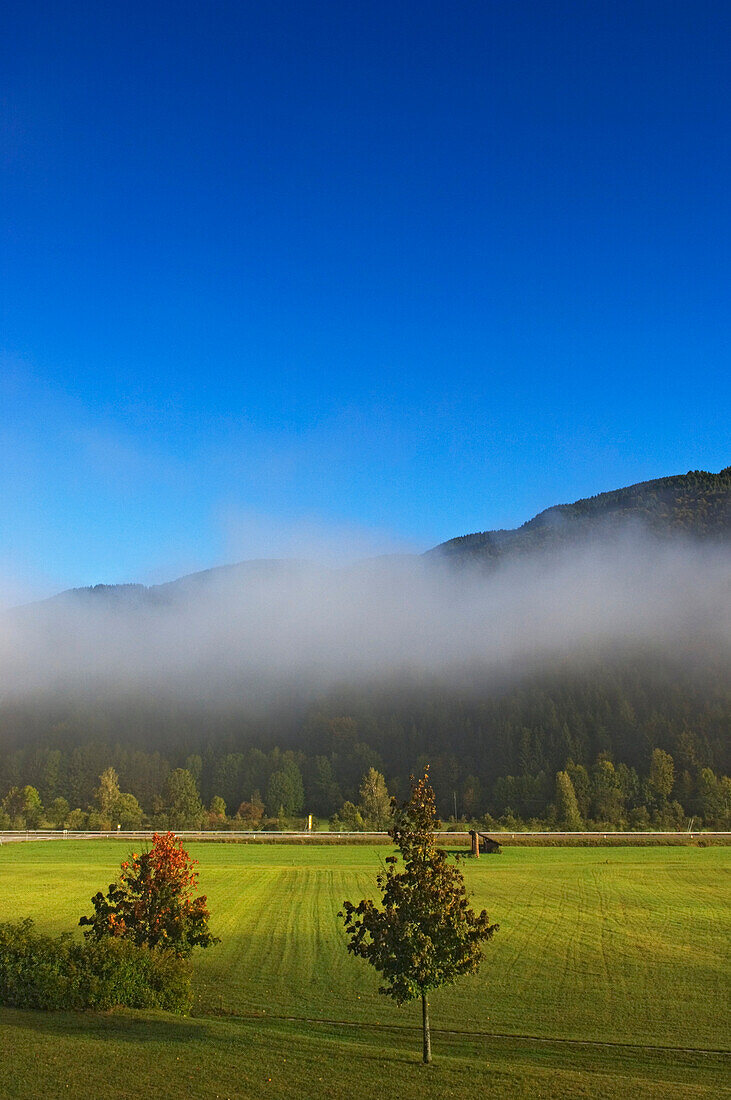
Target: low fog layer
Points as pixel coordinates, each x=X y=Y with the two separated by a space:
x=244 y=633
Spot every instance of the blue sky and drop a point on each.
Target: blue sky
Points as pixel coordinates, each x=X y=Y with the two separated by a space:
x=283 y=276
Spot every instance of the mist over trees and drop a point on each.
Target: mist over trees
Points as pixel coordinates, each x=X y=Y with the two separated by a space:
x=581 y=674
x=629 y=744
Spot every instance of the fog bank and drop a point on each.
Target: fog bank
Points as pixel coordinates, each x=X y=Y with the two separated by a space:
x=243 y=633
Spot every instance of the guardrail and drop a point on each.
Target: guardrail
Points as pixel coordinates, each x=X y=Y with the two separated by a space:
x=462 y=835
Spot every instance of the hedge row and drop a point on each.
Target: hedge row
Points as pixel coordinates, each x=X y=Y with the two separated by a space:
x=48 y=972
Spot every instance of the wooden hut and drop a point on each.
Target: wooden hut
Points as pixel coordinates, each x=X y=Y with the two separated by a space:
x=482 y=843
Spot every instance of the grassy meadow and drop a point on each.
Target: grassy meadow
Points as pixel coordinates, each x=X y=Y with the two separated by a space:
x=610 y=973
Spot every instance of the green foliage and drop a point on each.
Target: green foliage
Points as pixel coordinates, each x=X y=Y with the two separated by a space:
x=348 y=819
x=48 y=972
x=115 y=807
x=607 y=802
x=57 y=812
x=567 y=807
x=375 y=801
x=662 y=774
x=472 y=797
x=424 y=935
x=127 y=812
x=285 y=791
x=183 y=807
x=97 y=822
x=714 y=797
x=153 y=902
x=108 y=791
x=24 y=807
x=324 y=793
x=372 y=814
x=500 y=751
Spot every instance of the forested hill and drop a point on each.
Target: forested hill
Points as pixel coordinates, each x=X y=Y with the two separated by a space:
x=595 y=689
x=695 y=504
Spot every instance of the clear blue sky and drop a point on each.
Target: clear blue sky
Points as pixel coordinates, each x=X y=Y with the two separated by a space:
x=380 y=273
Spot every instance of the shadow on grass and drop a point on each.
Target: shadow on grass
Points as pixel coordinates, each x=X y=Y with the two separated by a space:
x=125 y=1025
x=145 y=1029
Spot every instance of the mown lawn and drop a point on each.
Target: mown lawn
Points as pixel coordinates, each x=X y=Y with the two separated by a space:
x=610 y=972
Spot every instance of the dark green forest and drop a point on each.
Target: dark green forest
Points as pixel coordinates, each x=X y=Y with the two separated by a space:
x=503 y=755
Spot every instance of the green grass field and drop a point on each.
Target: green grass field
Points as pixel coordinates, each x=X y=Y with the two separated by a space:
x=610 y=973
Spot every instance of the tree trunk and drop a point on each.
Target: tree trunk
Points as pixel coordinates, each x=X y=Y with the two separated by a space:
x=425 y=1023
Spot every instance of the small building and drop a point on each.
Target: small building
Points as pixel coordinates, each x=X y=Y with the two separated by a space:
x=482 y=843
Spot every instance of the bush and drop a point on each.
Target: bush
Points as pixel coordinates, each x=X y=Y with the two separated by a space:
x=48 y=972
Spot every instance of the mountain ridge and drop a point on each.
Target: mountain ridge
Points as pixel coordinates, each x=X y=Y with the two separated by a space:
x=696 y=504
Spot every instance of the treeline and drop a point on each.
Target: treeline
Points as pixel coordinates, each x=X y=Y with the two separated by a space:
x=576 y=798
x=633 y=744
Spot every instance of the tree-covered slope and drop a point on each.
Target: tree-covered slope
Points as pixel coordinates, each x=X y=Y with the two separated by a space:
x=695 y=504
x=509 y=683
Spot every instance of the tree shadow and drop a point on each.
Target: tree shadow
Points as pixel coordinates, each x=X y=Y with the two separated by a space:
x=121 y=1025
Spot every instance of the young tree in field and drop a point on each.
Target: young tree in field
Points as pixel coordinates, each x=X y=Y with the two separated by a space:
x=153 y=901
x=424 y=935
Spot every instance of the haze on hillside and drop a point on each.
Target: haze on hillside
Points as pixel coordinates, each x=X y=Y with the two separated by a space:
x=244 y=634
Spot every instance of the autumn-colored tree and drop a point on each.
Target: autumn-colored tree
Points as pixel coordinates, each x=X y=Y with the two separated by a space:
x=250 y=813
x=424 y=935
x=153 y=901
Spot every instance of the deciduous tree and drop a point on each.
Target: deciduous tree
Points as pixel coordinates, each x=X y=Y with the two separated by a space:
x=567 y=808
x=182 y=801
x=375 y=801
x=250 y=813
x=153 y=901
x=285 y=792
x=108 y=791
x=662 y=774
x=424 y=935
